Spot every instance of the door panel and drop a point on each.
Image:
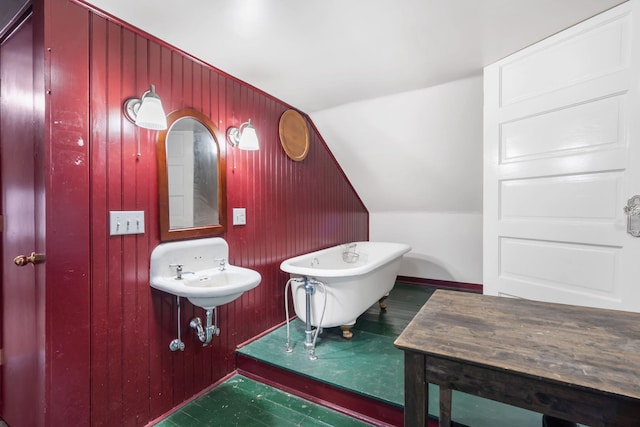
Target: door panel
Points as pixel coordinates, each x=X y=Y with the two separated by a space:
x=19 y=297
x=568 y=59
x=562 y=156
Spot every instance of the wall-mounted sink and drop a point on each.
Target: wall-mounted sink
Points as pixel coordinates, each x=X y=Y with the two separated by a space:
x=206 y=278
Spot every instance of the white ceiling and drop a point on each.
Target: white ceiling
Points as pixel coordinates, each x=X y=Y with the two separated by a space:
x=318 y=54
x=372 y=74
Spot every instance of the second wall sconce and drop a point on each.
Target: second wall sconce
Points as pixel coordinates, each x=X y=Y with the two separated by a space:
x=243 y=138
x=146 y=112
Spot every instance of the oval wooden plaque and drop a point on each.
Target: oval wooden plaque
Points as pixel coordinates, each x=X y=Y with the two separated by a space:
x=294 y=135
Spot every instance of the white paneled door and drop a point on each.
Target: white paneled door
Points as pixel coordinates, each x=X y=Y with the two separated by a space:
x=562 y=157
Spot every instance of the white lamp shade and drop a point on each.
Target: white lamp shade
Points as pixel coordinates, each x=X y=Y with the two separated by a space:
x=249 y=139
x=151 y=114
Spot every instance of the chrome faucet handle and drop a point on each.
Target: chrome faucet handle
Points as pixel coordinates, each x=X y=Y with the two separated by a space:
x=223 y=263
x=178 y=268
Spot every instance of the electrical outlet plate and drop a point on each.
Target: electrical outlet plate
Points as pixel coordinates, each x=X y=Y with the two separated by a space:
x=239 y=216
x=126 y=222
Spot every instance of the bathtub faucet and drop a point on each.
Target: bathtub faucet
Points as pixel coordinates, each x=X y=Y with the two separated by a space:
x=349 y=254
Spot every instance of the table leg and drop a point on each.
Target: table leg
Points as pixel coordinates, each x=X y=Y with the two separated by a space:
x=445 y=407
x=416 y=391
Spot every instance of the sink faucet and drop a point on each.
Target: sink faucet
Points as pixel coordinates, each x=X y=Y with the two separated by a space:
x=223 y=263
x=179 y=271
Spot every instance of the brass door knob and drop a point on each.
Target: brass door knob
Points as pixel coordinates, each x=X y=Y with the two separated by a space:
x=34 y=258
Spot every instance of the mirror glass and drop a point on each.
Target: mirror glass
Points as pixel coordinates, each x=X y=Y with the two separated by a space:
x=191 y=177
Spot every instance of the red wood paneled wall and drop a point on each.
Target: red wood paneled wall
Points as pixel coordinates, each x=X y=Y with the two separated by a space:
x=64 y=54
x=292 y=208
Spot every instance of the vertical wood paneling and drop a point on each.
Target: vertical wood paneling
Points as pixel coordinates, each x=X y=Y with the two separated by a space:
x=163 y=399
x=145 y=167
x=292 y=207
x=115 y=248
x=67 y=138
x=128 y=259
x=157 y=75
x=99 y=276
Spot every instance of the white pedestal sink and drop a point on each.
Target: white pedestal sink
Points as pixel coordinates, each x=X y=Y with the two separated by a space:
x=206 y=278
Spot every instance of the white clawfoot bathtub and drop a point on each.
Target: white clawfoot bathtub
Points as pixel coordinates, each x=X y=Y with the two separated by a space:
x=355 y=276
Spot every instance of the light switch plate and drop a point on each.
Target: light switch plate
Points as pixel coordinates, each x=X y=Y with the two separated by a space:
x=239 y=216
x=126 y=222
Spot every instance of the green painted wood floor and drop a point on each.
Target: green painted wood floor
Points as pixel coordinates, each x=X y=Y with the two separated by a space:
x=368 y=364
x=242 y=402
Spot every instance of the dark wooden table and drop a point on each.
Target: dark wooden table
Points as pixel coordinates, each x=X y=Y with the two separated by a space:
x=576 y=363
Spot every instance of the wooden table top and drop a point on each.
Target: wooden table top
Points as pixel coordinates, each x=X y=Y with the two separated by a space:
x=589 y=347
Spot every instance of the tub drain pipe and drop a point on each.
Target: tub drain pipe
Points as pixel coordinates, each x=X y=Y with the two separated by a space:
x=287 y=346
x=311 y=335
x=312 y=351
x=309 y=289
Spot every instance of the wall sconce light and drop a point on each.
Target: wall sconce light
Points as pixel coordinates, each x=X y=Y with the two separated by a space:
x=146 y=112
x=244 y=139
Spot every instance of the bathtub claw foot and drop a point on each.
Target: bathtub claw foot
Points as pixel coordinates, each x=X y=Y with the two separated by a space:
x=346 y=331
x=383 y=306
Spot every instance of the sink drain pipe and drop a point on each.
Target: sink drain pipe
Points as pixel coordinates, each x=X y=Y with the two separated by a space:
x=205 y=334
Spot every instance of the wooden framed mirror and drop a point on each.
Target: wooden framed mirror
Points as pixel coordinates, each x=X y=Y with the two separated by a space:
x=192 y=184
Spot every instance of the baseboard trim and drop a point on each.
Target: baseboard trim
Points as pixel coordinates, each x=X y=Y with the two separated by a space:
x=441 y=284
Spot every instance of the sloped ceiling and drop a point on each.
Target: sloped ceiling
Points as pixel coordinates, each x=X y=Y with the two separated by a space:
x=394 y=86
x=8 y=10
x=318 y=54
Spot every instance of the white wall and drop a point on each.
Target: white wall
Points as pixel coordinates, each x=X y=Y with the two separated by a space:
x=415 y=159
x=446 y=246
